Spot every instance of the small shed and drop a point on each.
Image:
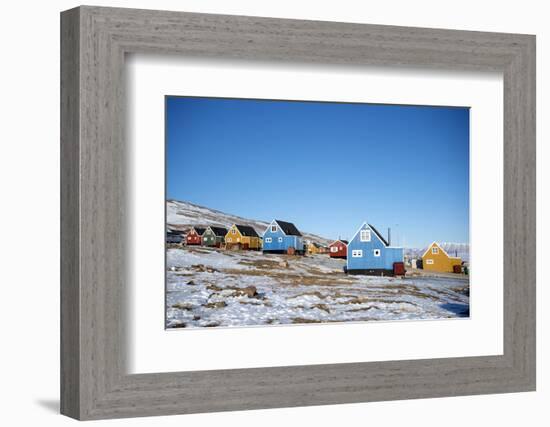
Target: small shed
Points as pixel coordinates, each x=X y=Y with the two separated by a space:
x=323 y=249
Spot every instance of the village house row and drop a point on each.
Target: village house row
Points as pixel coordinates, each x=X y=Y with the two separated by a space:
x=367 y=252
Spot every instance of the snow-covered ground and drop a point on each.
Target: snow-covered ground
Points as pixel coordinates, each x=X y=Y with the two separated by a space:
x=211 y=287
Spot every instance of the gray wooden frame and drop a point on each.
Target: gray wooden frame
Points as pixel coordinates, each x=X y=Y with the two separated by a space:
x=94 y=382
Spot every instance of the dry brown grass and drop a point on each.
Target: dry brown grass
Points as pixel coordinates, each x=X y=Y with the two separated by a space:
x=313 y=293
x=362 y=309
x=255 y=302
x=261 y=264
x=303 y=320
x=217 y=304
x=374 y=300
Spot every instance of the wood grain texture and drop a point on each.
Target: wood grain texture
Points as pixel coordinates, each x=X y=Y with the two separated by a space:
x=70 y=292
x=94 y=263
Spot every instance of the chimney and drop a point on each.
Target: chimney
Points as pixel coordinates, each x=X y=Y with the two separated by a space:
x=389 y=236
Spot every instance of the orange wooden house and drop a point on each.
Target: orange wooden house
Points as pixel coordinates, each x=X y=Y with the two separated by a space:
x=436 y=259
x=242 y=237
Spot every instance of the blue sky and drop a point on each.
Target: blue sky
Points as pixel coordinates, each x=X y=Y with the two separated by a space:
x=327 y=167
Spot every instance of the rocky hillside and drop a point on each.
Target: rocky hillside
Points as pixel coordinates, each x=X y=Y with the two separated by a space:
x=183 y=215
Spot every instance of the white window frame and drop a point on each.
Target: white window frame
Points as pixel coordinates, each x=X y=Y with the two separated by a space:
x=435 y=251
x=334 y=249
x=229 y=240
x=238 y=239
x=376 y=252
x=268 y=239
x=280 y=240
x=429 y=261
x=363 y=235
x=233 y=231
x=357 y=253
x=274 y=228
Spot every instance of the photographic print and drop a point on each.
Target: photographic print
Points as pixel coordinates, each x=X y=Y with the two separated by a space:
x=299 y=212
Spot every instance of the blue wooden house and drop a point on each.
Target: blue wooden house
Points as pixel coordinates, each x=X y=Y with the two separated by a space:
x=282 y=237
x=369 y=253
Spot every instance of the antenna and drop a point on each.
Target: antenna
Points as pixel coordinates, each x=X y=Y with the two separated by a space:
x=389 y=236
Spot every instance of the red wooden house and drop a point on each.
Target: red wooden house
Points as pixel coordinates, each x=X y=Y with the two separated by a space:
x=194 y=236
x=339 y=249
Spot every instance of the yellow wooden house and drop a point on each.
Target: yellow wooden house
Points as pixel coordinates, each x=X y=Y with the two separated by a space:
x=312 y=248
x=436 y=259
x=242 y=237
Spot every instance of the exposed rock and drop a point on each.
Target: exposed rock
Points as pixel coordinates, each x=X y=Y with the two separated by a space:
x=203 y=268
x=217 y=304
x=183 y=306
x=323 y=307
x=179 y=325
x=212 y=325
x=249 y=291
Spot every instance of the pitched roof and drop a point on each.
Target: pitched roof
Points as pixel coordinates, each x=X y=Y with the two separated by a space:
x=288 y=228
x=246 y=230
x=441 y=248
x=219 y=231
x=199 y=230
x=345 y=242
x=379 y=235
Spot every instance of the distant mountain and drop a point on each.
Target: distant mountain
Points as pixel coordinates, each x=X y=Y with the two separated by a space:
x=461 y=250
x=182 y=216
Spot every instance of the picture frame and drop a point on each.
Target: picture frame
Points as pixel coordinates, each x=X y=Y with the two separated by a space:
x=94 y=271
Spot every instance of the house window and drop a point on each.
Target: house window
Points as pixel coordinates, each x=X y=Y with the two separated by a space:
x=238 y=239
x=376 y=252
x=268 y=239
x=429 y=261
x=273 y=228
x=280 y=239
x=229 y=239
x=365 y=236
x=435 y=251
x=334 y=249
x=357 y=253
x=233 y=231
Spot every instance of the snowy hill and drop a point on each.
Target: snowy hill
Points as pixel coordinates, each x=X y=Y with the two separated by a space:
x=182 y=216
